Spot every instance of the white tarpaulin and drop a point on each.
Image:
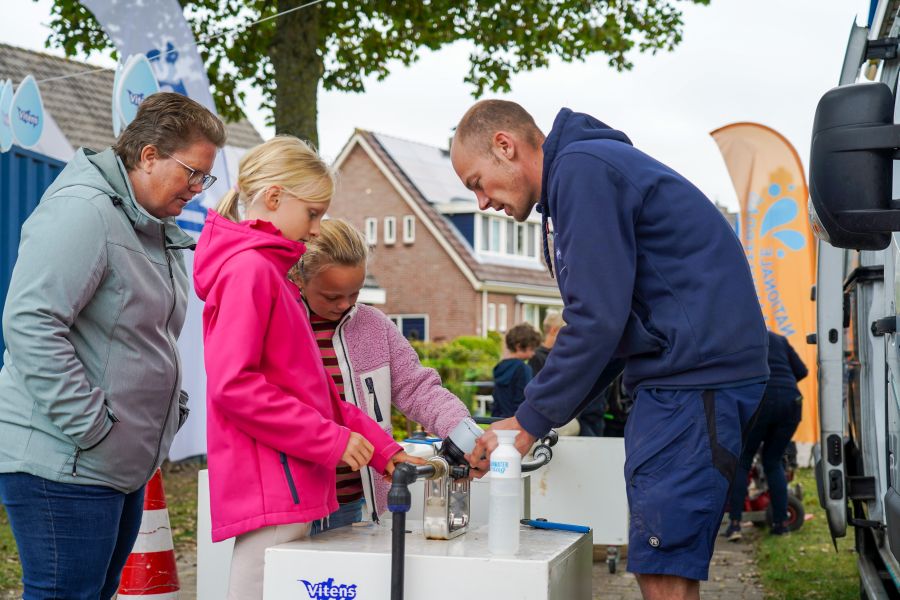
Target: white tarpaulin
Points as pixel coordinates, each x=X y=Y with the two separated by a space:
x=159 y=30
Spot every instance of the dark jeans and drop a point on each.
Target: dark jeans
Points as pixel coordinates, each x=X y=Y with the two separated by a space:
x=777 y=420
x=73 y=540
x=347 y=514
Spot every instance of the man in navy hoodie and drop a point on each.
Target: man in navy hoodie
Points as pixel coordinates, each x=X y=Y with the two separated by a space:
x=654 y=282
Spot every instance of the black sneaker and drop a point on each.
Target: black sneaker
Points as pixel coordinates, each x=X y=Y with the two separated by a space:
x=733 y=531
x=779 y=530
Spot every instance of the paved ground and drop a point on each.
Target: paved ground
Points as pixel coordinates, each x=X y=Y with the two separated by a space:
x=733 y=575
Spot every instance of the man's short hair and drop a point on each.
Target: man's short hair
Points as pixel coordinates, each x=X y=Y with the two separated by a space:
x=522 y=337
x=553 y=319
x=489 y=116
x=171 y=122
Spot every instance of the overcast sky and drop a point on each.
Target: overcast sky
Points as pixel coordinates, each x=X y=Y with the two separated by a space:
x=767 y=61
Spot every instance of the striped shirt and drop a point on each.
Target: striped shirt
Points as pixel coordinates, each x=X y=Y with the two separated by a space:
x=349 y=482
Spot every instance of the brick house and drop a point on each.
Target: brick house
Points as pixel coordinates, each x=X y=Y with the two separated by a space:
x=446 y=269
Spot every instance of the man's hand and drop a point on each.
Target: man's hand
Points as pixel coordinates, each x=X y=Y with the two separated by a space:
x=401 y=457
x=358 y=452
x=479 y=458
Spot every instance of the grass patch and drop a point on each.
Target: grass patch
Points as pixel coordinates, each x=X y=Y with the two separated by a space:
x=804 y=564
x=10 y=568
x=180 y=484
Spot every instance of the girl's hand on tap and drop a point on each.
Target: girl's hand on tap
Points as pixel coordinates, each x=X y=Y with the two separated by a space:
x=401 y=457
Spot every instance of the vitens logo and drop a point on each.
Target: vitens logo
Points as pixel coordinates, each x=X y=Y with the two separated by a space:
x=27 y=117
x=328 y=589
x=135 y=97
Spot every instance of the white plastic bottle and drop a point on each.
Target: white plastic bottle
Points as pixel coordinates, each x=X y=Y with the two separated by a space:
x=506 y=495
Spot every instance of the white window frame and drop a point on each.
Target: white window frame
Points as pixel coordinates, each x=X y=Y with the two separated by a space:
x=371 y=228
x=390 y=230
x=502 y=322
x=409 y=229
x=397 y=320
x=492 y=317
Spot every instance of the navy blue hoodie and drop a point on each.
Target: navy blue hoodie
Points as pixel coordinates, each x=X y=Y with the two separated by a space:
x=785 y=366
x=511 y=375
x=653 y=278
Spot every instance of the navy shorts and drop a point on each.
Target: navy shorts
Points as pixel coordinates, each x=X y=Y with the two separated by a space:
x=681 y=449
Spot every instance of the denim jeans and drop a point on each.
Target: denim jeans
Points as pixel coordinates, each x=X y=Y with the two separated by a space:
x=73 y=540
x=347 y=514
x=777 y=420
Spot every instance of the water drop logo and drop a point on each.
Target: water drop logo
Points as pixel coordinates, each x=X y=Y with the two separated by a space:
x=27 y=113
x=136 y=83
x=776 y=218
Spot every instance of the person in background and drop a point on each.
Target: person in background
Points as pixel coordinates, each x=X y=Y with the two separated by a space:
x=277 y=430
x=777 y=420
x=512 y=373
x=553 y=322
x=372 y=365
x=90 y=388
x=590 y=421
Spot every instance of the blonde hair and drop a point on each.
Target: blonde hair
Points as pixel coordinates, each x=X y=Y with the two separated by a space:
x=284 y=161
x=553 y=319
x=338 y=243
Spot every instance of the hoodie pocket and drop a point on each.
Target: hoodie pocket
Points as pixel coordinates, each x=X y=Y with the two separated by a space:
x=290 y=478
x=638 y=339
x=376 y=386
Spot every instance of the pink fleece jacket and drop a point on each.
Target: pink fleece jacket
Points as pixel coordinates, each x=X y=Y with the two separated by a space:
x=384 y=370
x=276 y=428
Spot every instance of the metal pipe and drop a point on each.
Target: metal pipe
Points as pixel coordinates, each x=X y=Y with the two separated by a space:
x=398 y=554
x=542 y=455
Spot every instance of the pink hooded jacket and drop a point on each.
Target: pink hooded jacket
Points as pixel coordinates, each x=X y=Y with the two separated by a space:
x=276 y=427
x=384 y=370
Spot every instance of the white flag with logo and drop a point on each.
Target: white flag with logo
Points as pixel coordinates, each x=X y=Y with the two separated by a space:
x=159 y=30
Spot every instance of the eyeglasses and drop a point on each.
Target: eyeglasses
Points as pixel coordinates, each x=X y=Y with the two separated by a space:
x=195 y=176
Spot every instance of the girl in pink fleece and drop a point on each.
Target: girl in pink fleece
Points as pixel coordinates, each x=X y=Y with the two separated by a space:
x=371 y=362
x=276 y=428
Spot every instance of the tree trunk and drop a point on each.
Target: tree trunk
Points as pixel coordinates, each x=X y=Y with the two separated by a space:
x=298 y=69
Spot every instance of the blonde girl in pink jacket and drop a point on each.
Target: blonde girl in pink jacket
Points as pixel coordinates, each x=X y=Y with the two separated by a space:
x=372 y=364
x=276 y=427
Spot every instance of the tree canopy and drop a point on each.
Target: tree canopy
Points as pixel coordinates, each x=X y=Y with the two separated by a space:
x=338 y=43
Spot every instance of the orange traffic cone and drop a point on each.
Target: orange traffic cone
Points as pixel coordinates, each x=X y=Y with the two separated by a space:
x=150 y=572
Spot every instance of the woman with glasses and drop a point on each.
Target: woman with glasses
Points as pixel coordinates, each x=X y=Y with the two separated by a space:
x=90 y=388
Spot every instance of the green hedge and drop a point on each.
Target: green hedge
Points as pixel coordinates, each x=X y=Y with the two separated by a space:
x=464 y=359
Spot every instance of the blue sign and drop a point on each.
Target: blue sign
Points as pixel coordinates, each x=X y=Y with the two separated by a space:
x=136 y=83
x=6 y=134
x=27 y=113
x=328 y=590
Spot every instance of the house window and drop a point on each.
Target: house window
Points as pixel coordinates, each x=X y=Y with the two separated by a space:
x=413 y=327
x=371 y=225
x=492 y=317
x=508 y=238
x=409 y=229
x=495 y=235
x=521 y=230
x=390 y=230
x=501 y=317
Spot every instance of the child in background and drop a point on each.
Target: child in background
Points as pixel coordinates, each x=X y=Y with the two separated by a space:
x=277 y=429
x=512 y=374
x=372 y=364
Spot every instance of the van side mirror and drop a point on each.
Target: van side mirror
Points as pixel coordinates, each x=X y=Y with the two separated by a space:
x=854 y=143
